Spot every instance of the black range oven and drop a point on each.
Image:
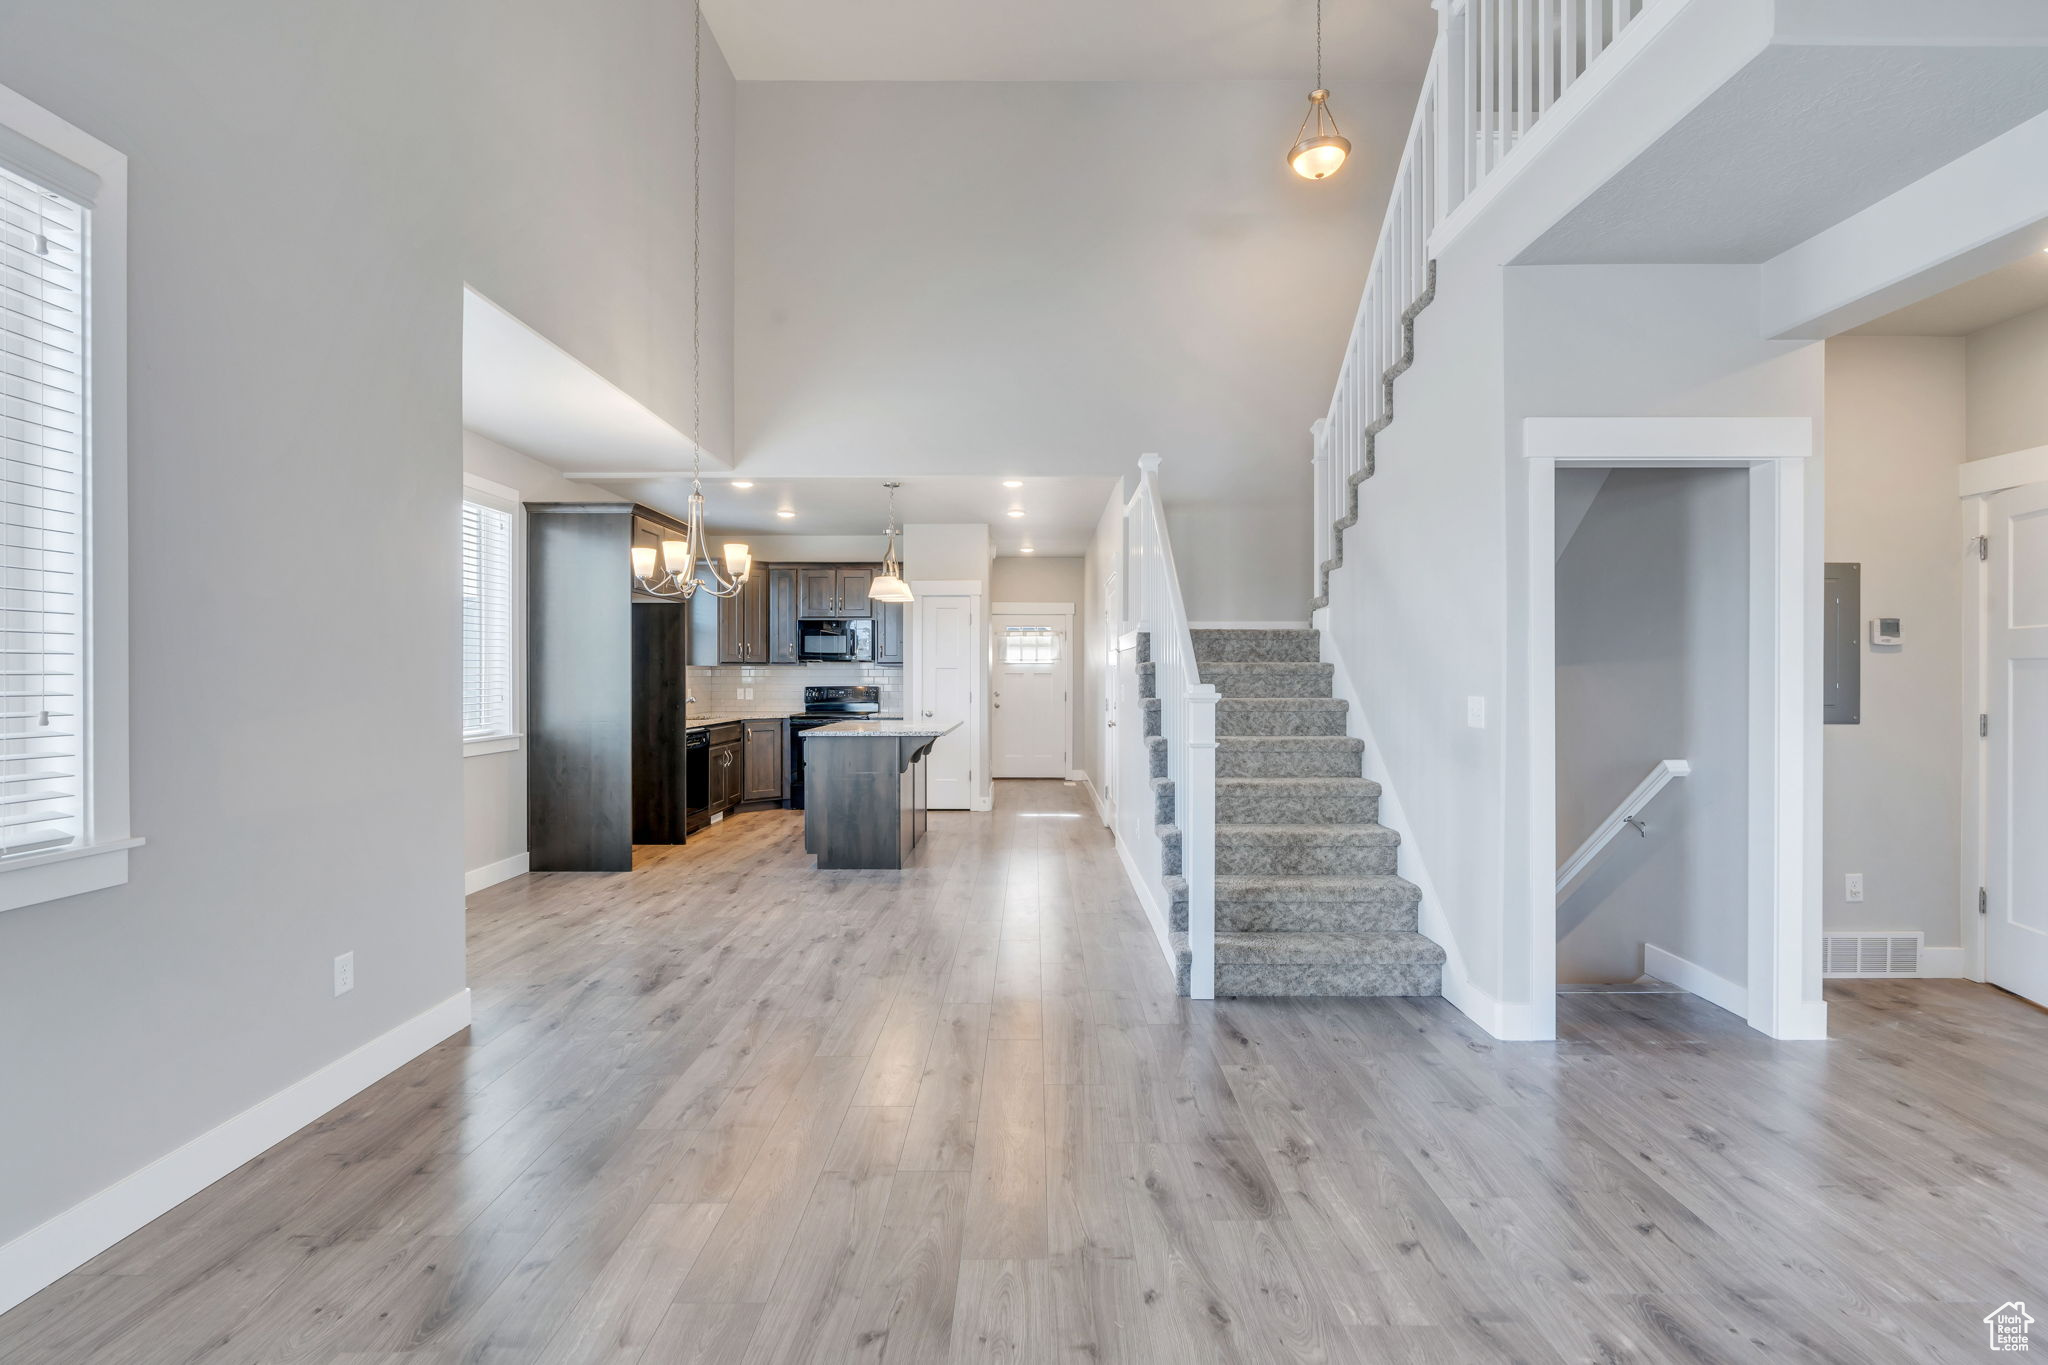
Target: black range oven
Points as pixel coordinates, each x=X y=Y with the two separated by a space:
x=824 y=706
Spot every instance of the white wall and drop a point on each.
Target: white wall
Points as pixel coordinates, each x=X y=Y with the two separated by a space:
x=294 y=301
x=575 y=177
x=1895 y=435
x=1652 y=663
x=1101 y=586
x=2008 y=386
x=1055 y=278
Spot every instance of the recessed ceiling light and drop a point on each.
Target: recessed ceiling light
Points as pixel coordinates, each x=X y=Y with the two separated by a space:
x=1013 y=483
x=1016 y=511
x=1026 y=550
x=784 y=512
x=742 y=483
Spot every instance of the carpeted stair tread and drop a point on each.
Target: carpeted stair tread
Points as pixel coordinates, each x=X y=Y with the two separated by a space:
x=1267 y=680
x=1258 y=646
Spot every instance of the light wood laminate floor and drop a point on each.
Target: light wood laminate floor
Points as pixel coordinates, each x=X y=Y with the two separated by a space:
x=728 y=1109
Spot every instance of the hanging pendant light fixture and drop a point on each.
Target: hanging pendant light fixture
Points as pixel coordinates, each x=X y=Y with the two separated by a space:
x=1319 y=149
x=678 y=575
x=889 y=585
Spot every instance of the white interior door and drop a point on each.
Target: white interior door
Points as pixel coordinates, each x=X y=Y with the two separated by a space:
x=1029 y=694
x=2016 y=882
x=946 y=639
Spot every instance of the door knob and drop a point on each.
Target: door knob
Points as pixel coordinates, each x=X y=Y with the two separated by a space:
x=927 y=714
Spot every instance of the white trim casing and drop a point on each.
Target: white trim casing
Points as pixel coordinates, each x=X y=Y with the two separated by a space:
x=100 y=860
x=491 y=744
x=490 y=874
x=1982 y=478
x=45 y=1253
x=1785 y=568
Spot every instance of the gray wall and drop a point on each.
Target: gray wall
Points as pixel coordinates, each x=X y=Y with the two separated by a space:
x=943 y=278
x=1652 y=663
x=2008 y=386
x=575 y=174
x=1054 y=578
x=1895 y=436
x=294 y=312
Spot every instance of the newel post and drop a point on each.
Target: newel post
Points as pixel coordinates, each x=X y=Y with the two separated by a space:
x=1198 y=847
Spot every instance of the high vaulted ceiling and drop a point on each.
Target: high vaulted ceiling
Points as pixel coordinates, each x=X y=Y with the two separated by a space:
x=1070 y=40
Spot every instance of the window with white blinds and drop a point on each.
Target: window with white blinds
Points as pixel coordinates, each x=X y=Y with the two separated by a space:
x=486 y=621
x=43 y=739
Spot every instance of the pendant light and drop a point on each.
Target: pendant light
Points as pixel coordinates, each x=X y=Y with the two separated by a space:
x=889 y=585
x=679 y=558
x=1319 y=150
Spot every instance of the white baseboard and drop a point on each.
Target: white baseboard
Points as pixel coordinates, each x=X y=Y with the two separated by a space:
x=46 y=1253
x=1101 y=808
x=1247 y=625
x=1155 y=913
x=1076 y=775
x=1690 y=976
x=983 y=803
x=490 y=874
x=1948 y=962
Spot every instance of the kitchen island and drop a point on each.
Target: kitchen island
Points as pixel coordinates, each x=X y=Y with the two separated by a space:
x=866 y=785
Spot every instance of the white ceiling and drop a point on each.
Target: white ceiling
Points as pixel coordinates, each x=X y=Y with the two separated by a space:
x=1070 y=40
x=1059 y=513
x=523 y=391
x=1994 y=297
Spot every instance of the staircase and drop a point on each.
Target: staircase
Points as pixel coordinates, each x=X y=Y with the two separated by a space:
x=1307 y=902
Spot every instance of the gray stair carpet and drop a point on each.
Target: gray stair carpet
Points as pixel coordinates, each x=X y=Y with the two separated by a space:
x=1308 y=901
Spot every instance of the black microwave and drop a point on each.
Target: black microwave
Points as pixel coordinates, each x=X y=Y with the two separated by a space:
x=836 y=641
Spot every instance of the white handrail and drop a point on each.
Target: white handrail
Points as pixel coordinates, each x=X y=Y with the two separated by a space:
x=1187 y=719
x=1497 y=69
x=1630 y=808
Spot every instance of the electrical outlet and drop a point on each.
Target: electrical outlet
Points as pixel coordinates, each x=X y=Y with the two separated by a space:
x=345 y=973
x=1852 y=886
x=1475 y=712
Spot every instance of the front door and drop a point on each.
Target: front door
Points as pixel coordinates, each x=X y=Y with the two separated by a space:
x=947 y=636
x=1028 y=695
x=2016 y=883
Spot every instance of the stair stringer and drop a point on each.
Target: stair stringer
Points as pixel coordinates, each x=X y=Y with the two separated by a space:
x=1372 y=432
x=1481 y=1005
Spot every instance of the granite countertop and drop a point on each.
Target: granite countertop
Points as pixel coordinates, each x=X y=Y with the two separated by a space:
x=882 y=729
x=697 y=720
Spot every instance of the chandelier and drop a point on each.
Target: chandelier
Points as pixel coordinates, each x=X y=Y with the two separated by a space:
x=679 y=575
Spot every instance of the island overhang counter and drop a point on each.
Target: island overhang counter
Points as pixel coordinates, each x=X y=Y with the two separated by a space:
x=864 y=781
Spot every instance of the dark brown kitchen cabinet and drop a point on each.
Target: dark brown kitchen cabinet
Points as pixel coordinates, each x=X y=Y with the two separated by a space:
x=888 y=632
x=605 y=763
x=817 y=591
x=724 y=779
x=835 y=592
x=765 y=762
x=782 y=614
x=730 y=630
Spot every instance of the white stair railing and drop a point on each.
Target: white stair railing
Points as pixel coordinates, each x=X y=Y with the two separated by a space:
x=1498 y=69
x=1187 y=721
x=1627 y=815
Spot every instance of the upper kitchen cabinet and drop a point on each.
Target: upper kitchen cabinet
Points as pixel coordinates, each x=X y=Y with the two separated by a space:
x=834 y=592
x=782 y=614
x=888 y=632
x=757 y=625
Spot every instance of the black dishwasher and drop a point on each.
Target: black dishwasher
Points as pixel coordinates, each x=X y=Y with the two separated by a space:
x=696 y=780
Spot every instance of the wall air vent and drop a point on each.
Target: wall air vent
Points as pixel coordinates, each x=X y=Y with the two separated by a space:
x=1870 y=954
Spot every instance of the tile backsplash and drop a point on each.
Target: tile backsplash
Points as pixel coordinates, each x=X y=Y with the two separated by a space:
x=717 y=688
